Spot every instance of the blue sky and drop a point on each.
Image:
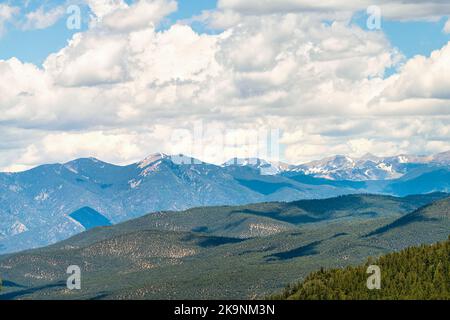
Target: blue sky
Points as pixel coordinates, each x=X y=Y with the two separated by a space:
x=411 y=37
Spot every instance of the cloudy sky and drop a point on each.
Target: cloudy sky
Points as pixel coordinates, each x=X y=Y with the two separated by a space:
x=119 y=80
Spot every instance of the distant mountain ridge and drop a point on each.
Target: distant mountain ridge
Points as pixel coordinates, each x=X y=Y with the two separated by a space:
x=35 y=205
x=341 y=167
x=369 y=167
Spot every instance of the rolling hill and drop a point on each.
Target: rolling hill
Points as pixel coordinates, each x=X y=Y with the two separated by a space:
x=410 y=227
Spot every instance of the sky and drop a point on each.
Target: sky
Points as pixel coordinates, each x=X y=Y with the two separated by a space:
x=290 y=80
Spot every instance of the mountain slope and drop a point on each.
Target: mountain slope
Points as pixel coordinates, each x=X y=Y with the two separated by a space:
x=415 y=226
x=426 y=180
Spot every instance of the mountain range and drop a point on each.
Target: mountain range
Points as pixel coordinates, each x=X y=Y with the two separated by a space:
x=53 y=202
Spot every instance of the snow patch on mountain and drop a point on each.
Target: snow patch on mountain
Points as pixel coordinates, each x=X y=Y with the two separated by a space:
x=42 y=196
x=151 y=160
x=71 y=168
x=18 y=228
x=367 y=167
x=154 y=167
x=134 y=183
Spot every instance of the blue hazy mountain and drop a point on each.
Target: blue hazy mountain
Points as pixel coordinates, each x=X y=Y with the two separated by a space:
x=36 y=205
x=424 y=180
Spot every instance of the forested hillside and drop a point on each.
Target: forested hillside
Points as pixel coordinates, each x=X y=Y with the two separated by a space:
x=414 y=273
x=199 y=253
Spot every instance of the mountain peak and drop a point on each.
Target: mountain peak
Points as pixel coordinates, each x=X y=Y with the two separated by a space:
x=83 y=164
x=154 y=162
x=84 y=160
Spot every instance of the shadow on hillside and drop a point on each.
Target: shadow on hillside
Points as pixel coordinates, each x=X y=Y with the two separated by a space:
x=11 y=284
x=210 y=241
x=403 y=221
x=303 y=251
x=275 y=215
x=20 y=293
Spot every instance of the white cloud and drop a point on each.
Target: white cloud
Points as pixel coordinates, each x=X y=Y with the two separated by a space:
x=139 y=15
x=119 y=90
x=218 y=19
x=6 y=14
x=114 y=146
x=391 y=9
x=89 y=60
x=447 y=27
x=422 y=78
x=117 y=15
x=41 y=19
x=285 y=6
x=101 y=8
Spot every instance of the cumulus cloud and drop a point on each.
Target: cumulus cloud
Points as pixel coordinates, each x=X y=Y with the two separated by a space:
x=123 y=88
x=139 y=15
x=89 y=60
x=422 y=78
x=117 y=15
